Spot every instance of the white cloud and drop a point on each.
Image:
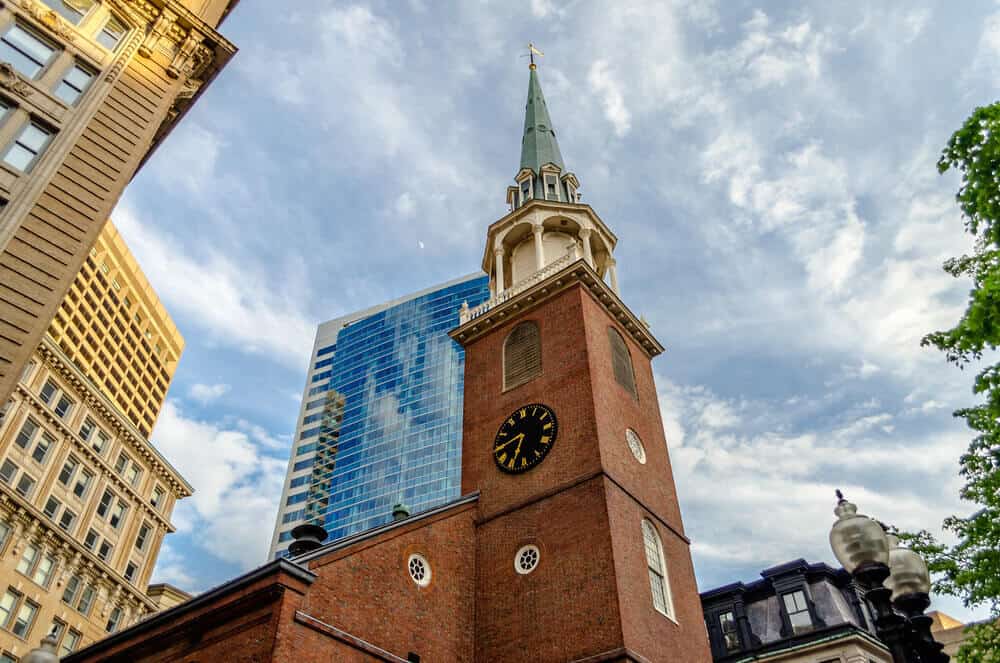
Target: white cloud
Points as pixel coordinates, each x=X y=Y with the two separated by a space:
x=206 y=393
x=236 y=304
x=236 y=487
x=603 y=83
x=778 y=500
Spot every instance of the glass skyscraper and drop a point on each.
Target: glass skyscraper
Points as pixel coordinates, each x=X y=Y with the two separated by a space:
x=381 y=415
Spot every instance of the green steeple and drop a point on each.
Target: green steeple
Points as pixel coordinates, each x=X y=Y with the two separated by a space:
x=539 y=146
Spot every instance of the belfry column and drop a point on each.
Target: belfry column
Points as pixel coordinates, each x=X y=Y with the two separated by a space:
x=498 y=269
x=537 y=229
x=585 y=238
x=613 y=275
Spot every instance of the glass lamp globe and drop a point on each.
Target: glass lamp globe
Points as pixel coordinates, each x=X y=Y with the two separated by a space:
x=857 y=540
x=908 y=572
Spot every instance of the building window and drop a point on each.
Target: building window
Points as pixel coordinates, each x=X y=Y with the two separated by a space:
x=83 y=483
x=90 y=540
x=4 y=534
x=71 y=10
x=297 y=498
x=140 y=539
x=67 y=520
x=130 y=570
x=111 y=34
x=106 y=499
x=157 y=497
x=28 y=558
x=25 y=619
x=27 y=147
x=28 y=430
x=47 y=391
x=117 y=514
x=100 y=440
x=64 y=407
x=25 y=485
x=114 y=619
x=7 y=471
x=28 y=53
x=72 y=589
x=86 y=600
x=43 y=572
x=121 y=463
x=655 y=563
x=104 y=551
x=5 y=409
x=420 y=569
x=730 y=636
x=42 y=448
x=525 y=190
x=798 y=611
x=526 y=559
x=522 y=355
x=52 y=507
x=635 y=445
x=87 y=429
x=622 y=361
x=132 y=474
x=30 y=366
x=551 y=187
x=74 y=84
x=7 y=606
x=70 y=643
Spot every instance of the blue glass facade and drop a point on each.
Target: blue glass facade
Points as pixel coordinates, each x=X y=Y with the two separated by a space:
x=388 y=426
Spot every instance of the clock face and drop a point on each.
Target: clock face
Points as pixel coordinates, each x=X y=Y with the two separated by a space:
x=524 y=438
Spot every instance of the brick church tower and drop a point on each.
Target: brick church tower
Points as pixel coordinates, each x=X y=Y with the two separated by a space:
x=580 y=549
x=567 y=544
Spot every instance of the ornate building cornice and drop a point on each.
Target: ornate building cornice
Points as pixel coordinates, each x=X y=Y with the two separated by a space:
x=94 y=398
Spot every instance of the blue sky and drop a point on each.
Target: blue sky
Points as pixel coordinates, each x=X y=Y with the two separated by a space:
x=770 y=172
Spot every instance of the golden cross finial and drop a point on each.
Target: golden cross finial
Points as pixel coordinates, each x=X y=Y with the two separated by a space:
x=532 y=52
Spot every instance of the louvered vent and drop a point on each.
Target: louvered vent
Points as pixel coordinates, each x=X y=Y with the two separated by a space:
x=522 y=355
x=622 y=361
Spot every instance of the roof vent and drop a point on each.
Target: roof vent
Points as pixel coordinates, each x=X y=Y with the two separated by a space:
x=307 y=537
x=400 y=511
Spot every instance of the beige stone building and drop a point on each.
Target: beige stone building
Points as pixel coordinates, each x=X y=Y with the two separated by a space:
x=85 y=502
x=88 y=88
x=112 y=325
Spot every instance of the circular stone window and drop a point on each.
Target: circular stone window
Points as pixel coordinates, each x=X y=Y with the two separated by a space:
x=526 y=559
x=420 y=570
x=635 y=445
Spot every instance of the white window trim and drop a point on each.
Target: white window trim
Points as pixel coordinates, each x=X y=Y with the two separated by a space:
x=418 y=559
x=523 y=550
x=554 y=179
x=667 y=593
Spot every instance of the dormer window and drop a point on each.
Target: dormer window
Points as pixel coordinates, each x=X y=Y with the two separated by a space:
x=798 y=611
x=730 y=636
x=525 y=190
x=551 y=187
x=570 y=193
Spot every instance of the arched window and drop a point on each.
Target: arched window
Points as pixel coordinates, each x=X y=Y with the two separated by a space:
x=622 y=361
x=659 y=583
x=522 y=355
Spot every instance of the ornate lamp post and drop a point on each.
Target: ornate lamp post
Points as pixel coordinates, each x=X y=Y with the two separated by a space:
x=895 y=582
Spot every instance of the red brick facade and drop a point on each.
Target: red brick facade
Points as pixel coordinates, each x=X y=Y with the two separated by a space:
x=588 y=599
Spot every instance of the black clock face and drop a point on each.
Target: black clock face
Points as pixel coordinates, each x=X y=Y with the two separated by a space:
x=524 y=438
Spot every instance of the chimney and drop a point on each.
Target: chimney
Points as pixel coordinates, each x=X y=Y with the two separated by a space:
x=307 y=536
x=399 y=512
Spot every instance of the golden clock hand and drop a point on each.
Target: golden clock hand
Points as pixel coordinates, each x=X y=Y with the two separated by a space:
x=519 y=436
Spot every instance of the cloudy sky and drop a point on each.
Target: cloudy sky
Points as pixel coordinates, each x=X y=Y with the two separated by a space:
x=769 y=170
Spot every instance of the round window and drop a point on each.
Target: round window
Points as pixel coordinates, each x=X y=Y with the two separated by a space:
x=419 y=569
x=635 y=445
x=526 y=559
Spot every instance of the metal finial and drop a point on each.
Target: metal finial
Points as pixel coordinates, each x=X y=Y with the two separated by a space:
x=840 y=496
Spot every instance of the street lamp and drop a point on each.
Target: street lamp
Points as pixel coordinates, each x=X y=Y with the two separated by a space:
x=895 y=582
